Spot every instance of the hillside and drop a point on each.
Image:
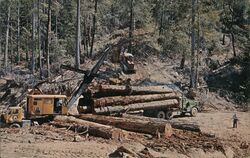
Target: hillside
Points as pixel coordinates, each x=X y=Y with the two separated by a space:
x=176 y=73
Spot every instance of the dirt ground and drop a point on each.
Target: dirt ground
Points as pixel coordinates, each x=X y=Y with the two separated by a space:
x=47 y=141
x=222 y=141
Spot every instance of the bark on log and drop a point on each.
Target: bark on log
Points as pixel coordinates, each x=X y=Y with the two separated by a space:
x=114 y=90
x=133 y=125
x=172 y=103
x=92 y=128
x=125 y=100
x=183 y=125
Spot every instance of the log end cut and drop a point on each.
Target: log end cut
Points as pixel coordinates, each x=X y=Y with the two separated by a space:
x=168 y=131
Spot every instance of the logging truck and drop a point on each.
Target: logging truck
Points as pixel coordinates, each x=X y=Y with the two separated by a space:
x=184 y=106
x=154 y=101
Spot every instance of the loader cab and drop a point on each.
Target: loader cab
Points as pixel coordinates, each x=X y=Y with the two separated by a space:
x=41 y=105
x=13 y=115
x=127 y=62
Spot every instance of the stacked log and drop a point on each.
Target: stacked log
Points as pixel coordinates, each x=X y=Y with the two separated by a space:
x=108 y=99
x=114 y=90
x=125 y=100
x=172 y=103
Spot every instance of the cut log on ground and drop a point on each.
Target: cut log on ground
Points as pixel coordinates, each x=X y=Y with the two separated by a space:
x=114 y=90
x=165 y=104
x=133 y=125
x=94 y=129
x=125 y=100
x=183 y=125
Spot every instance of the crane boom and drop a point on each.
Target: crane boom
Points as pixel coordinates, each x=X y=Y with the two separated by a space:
x=88 y=77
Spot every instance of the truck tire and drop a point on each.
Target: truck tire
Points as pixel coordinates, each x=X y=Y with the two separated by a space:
x=161 y=115
x=15 y=125
x=169 y=115
x=194 y=111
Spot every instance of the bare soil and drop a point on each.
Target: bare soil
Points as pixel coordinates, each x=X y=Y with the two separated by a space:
x=47 y=141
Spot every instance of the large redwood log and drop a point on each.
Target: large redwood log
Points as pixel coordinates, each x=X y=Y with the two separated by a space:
x=94 y=129
x=171 y=103
x=114 y=90
x=183 y=125
x=125 y=100
x=133 y=125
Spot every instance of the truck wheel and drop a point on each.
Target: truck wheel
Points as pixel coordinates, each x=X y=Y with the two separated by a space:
x=194 y=112
x=169 y=115
x=15 y=125
x=161 y=114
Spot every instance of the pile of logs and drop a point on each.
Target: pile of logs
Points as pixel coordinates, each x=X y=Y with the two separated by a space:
x=120 y=128
x=108 y=99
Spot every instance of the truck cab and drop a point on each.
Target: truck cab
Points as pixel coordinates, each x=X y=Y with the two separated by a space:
x=13 y=116
x=185 y=106
x=189 y=106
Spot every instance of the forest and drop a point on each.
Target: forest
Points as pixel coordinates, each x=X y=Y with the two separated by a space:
x=136 y=78
x=39 y=34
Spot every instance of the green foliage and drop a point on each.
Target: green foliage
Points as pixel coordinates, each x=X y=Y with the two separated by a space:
x=169 y=21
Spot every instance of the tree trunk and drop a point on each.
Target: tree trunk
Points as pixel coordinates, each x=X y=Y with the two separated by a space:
x=112 y=20
x=33 y=40
x=94 y=129
x=114 y=90
x=0 y=48
x=223 y=39
x=233 y=44
x=18 y=32
x=164 y=104
x=133 y=125
x=94 y=29
x=161 y=18
x=192 y=73
x=11 y=48
x=56 y=23
x=78 y=34
x=198 y=46
x=125 y=100
x=39 y=39
x=85 y=40
x=183 y=60
x=183 y=125
x=7 y=41
x=89 y=31
x=131 y=28
x=48 y=38
x=27 y=50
